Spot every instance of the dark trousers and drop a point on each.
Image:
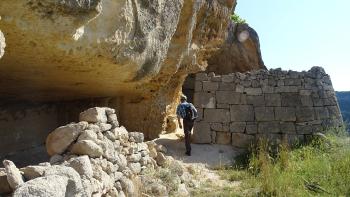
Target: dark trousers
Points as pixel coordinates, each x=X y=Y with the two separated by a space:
x=188 y=125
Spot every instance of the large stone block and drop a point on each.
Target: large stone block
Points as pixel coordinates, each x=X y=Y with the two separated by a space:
x=216 y=115
x=305 y=92
x=264 y=114
x=285 y=113
x=330 y=101
x=201 y=133
x=223 y=127
x=239 y=88
x=290 y=100
x=94 y=115
x=253 y=91
x=202 y=77
x=200 y=114
x=256 y=100
x=304 y=128
x=304 y=114
x=228 y=97
x=228 y=78
x=246 y=83
x=223 y=138
x=321 y=113
x=332 y=123
x=287 y=89
x=237 y=127
x=251 y=128
x=293 y=139
x=242 y=140
x=268 y=89
x=241 y=113
x=210 y=86
x=287 y=127
x=222 y=106
x=198 y=86
x=272 y=138
x=268 y=127
x=292 y=82
x=273 y=100
x=334 y=112
x=227 y=86
x=306 y=101
x=204 y=100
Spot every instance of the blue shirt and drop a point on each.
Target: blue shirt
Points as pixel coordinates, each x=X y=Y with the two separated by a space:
x=181 y=110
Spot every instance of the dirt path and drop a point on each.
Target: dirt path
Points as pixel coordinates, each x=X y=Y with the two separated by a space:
x=205 y=158
x=209 y=155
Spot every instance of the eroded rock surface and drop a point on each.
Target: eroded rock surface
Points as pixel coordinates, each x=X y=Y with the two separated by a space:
x=240 y=52
x=136 y=51
x=2 y=44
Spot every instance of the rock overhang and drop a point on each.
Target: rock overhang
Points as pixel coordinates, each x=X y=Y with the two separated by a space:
x=133 y=53
x=77 y=50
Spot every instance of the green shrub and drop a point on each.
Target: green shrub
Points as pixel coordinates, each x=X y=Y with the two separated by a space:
x=237 y=19
x=320 y=168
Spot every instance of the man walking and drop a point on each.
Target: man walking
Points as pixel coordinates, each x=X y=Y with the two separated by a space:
x=188 y=113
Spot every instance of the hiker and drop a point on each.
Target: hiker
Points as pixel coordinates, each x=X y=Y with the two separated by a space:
x=188 y=113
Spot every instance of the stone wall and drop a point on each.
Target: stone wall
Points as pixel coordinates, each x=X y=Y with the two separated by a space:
x=24 y=126
x=97 y=157
x=239 y=108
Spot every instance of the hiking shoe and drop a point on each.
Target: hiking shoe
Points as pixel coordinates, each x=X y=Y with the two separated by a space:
x=188 y=153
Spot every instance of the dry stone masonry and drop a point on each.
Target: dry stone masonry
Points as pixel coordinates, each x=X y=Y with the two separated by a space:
x=239 y=108
x=95 y=157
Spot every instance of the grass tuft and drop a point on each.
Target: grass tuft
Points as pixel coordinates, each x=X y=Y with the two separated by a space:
x=320 y=168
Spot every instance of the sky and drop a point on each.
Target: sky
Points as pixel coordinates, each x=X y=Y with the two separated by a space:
x=299 y=34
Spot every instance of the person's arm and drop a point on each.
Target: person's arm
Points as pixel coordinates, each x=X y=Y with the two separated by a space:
x=178 y=116
x=195 y=112
x=179 y=121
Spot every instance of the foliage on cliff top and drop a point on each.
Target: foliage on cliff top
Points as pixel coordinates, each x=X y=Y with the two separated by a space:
x=237 y=19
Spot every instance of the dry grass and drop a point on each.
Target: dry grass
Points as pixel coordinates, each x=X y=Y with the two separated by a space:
x=321 y=168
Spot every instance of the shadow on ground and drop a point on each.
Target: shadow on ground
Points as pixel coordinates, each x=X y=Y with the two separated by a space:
x=210 y=155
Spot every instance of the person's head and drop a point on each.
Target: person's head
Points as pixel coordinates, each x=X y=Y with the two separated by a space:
x=183 y=98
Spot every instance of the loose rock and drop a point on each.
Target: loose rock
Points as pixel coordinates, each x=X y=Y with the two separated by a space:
x=94 y=115
x=59 y=140
x=87 y=147
x=14 y=177
x=82 y=165
x=53 y=186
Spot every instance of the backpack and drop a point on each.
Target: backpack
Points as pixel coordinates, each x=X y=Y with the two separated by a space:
x=188 y=113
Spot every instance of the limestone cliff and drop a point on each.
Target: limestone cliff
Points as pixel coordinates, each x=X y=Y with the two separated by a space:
x=138 y=52
x=240 y=52
x=2 y=44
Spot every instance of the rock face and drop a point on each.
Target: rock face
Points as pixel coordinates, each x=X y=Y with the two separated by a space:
x=275 y=104
x=240 y=52
x=2 y=44
x=138 y=52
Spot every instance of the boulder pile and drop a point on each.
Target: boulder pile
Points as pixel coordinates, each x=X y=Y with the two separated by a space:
x=94 y=157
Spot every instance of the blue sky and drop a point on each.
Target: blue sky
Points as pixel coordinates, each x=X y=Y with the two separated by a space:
x=299 y=34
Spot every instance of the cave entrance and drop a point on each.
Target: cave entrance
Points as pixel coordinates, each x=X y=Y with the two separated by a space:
x=188 y=87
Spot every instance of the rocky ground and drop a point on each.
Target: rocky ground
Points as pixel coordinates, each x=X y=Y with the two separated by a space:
x=98 y=157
